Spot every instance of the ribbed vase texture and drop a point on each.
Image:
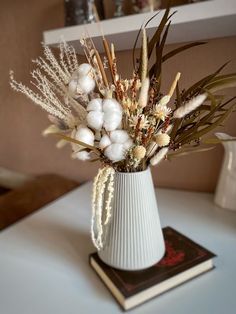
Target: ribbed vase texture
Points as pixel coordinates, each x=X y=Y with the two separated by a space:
x=134 y=238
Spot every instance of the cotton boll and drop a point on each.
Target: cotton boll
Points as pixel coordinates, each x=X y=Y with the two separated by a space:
x=83 y=155
x=95 y=105
x=111 y=105
x=128 y=144
x=119 y=136
x=95 y=119
x=104 y=142
x=115 y=152
x=84 y=69
x=112 y=120
x=85 y=135
x=72 y=87
x=86 y=84
x=75 y=147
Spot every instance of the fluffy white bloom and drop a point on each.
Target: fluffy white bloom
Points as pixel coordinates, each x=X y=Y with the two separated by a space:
x=83 y=84
x=159 y=156
x=162 y=139
x=95 y=119
x=104 y=113
x=86 y=84
x=85 y=135
x=83 y=155
x=82 y=80
x=115 y=152
x=189 y=106
x=104 y=141
x=95 y=105
x=119 y=136
x=112 y=114
x=112 y=120
x=84 y=69
x=82 y=134
x=161 y=111
x=72 y=87
x=128 y=144
x=111 y=105
x=116 y=145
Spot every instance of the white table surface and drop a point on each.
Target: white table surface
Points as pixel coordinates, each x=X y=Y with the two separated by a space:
x=44 y=259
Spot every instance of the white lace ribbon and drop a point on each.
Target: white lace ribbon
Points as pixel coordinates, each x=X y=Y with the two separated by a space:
x=104 y=181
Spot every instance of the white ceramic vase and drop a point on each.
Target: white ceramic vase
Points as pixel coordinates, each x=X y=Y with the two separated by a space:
x=225 y=195
x=134 y=238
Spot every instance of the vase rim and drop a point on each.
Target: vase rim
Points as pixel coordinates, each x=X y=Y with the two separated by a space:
x=133 y=173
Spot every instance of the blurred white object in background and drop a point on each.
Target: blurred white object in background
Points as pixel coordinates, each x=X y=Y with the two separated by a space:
x=225 y=195
x=12 y=179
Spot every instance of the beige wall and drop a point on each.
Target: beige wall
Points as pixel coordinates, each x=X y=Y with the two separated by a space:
x=21 y=145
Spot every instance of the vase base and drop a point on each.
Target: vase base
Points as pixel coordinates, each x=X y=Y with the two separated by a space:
x=135 y=264
x=132 y=268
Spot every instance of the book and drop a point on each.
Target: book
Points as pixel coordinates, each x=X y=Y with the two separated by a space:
x=184 y=259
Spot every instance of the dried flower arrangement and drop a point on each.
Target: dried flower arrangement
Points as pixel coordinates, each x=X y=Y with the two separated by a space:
x=127 y=124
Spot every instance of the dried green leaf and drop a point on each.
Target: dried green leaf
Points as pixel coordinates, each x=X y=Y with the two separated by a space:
x=72 y=140
x=159 y=51
x=156 y=37
x=217 y=140
x=184 y=152
x=137 y=37
x=94 y=160
x=181 y=49
x=198 y=86
x=211 y=98
x=189 y=121
x=199 y=134
x=204 y=120
x=156 y=67
x=222 y=83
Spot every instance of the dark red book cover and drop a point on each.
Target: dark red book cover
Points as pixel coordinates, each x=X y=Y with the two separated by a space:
x=181 y=255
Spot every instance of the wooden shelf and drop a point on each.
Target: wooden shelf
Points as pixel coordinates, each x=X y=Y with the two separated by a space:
x=199 y=21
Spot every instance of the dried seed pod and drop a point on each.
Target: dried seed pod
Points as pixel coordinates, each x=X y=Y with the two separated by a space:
x=162 y=139
x=139 y=152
